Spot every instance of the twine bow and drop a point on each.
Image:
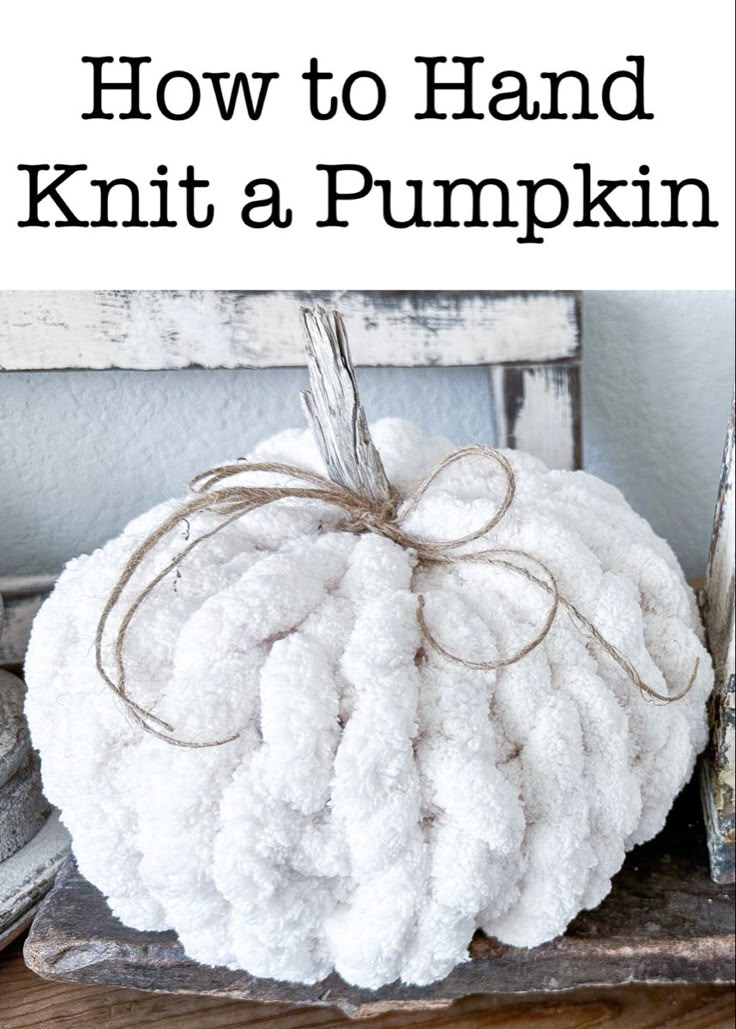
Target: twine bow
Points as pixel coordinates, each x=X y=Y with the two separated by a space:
x=232 y=502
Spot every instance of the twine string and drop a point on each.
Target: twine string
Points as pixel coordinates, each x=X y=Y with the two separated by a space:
x=211 y=492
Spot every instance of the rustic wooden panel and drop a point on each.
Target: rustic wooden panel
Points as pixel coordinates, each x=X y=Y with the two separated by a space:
x=22 y=596
x=718 y=766
x=15 y=741
x=27 y=875
x=664 y=922
x=23 y=808
x=30 y=1002
x=175 y=329
x=537 y=409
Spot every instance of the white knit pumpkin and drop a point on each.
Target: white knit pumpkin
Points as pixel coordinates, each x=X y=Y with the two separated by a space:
x=376 y=807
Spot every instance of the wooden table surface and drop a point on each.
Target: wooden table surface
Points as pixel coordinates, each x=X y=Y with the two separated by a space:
x=27 y=1001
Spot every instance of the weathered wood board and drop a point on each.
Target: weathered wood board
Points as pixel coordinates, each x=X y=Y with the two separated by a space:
x=32 y=842
x=28 y=874
x=28 y=1001
x=719 y=763
x=537 y=408
x=664 y=922
x=221 y=329
x=23 y=808
x=15 y=741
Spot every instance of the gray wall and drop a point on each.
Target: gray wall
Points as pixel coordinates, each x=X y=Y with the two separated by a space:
x=82 y=452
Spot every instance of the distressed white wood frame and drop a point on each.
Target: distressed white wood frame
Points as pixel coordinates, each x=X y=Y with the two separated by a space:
x=224 y=329
x=529 y=341
x=719 y=763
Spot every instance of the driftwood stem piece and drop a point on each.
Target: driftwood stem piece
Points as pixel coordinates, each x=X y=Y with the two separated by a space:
x=334 y=411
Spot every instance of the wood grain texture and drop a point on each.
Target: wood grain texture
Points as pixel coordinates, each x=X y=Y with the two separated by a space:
x=664 y=922
x=32 y=845
x=334 y=411
x=27 y=1002
x=719 y=764
x=178 y=329
x=537 y=409
x=15 y=740
x=23 y=808
x=27 y=874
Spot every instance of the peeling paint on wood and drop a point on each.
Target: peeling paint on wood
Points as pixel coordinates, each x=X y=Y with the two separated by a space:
x=217 y=329
x=537 y=409
x=719 y=764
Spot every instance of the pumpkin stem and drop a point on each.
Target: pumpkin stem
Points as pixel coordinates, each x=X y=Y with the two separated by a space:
x=333 y=409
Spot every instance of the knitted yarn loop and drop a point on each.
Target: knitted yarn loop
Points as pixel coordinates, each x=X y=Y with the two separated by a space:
x=364 y=514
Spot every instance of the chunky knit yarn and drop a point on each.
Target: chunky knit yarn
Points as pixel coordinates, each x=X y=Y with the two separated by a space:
x=380 y=802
